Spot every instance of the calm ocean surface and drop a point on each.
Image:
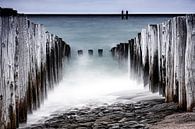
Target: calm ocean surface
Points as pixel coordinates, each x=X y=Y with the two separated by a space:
x=92 y=80
x=83 y=32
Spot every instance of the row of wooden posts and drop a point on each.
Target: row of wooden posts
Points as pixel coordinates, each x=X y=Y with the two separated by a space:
x=90 y=52
x=32 y=61
x=163 y=56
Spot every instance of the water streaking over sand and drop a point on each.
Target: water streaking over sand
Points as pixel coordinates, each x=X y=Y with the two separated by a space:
x=87 y=83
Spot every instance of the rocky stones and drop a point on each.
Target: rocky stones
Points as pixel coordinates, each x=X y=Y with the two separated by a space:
x=115 y=116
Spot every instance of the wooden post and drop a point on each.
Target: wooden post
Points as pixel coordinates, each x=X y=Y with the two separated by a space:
x=80 y=52
x=190 y=62
x=90 y=52
x=100 y=52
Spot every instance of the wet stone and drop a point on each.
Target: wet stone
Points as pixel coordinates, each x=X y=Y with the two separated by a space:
x=115 y=116
x=114 y=126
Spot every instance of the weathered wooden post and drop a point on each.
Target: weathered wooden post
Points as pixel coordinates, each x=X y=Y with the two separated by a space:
x=100 y=52
x=153 y=57
x=190 y=62
x=179 y=37
x=145 y=56
x=80 y=52
x=90 y=52
x=113 y=51
x=126 y=50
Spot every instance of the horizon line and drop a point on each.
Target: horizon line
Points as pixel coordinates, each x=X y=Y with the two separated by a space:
x=135 y=13
x=89 y=13
x=104 y=14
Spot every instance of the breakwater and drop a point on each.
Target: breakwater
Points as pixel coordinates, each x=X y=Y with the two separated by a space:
x=31 y=62
x=163 y=55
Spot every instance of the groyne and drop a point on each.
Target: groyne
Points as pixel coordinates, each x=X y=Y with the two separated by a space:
x=163 y=55
x=31 y=62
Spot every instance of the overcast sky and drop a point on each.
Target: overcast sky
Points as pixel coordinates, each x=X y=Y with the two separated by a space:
x=100 y=6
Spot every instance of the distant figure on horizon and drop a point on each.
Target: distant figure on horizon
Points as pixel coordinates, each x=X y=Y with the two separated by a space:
x=127 y=14
x=122 y=14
